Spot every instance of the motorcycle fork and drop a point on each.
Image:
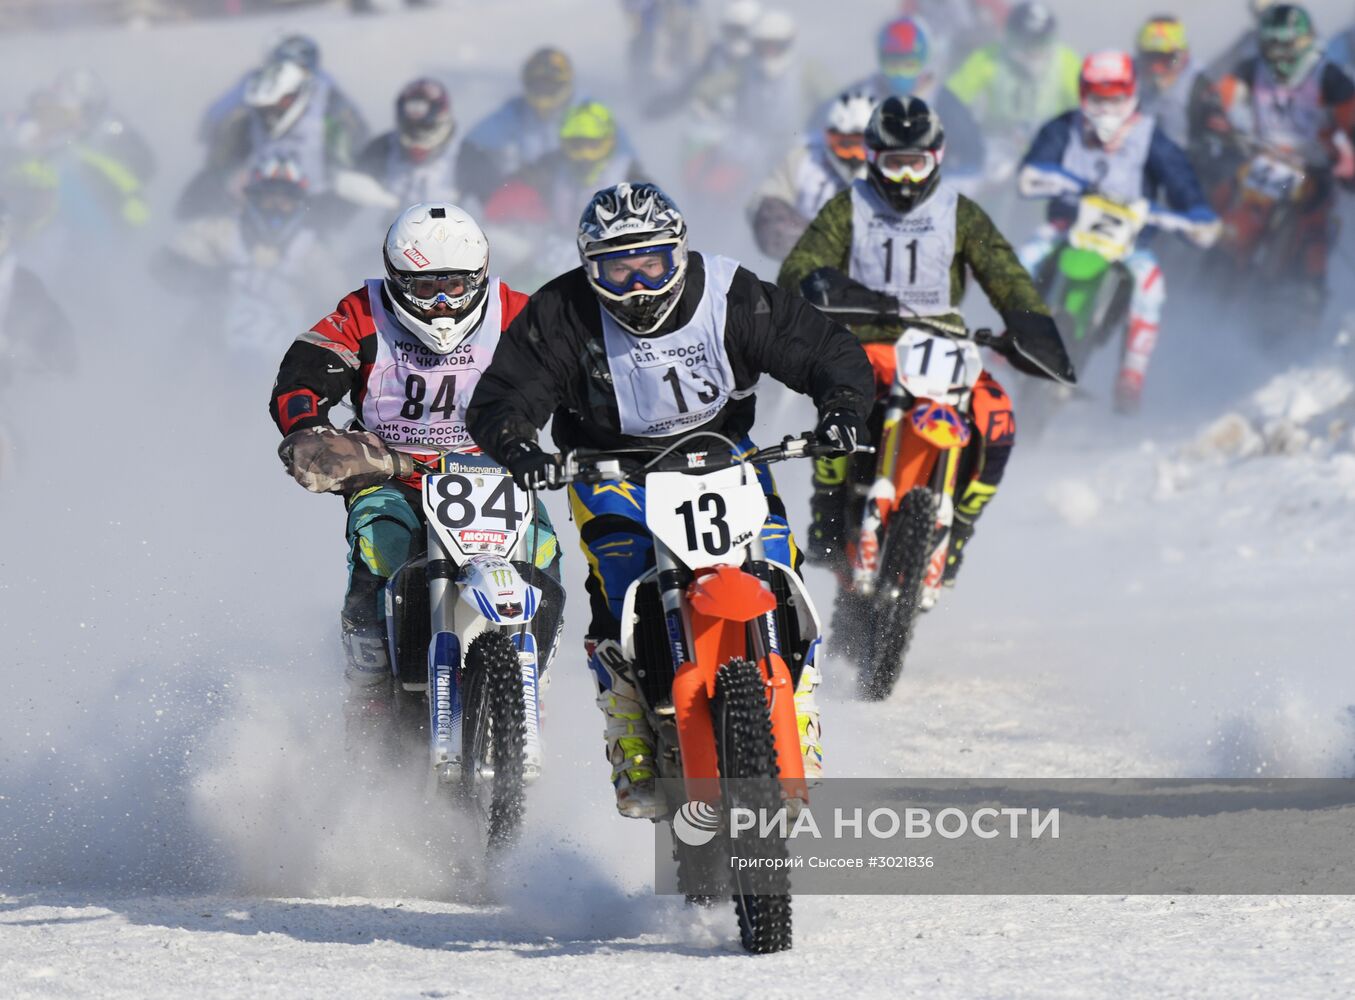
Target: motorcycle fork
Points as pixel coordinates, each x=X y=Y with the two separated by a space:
x=906 y=460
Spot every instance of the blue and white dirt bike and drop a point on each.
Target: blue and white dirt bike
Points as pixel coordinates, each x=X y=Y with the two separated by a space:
x=467 y=620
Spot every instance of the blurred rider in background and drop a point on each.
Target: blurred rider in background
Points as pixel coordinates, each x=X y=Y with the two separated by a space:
x=811 y=174
x=414 y=161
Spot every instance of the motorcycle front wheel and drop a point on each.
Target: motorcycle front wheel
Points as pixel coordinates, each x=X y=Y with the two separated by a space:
x=494 y=737
x=749 y=780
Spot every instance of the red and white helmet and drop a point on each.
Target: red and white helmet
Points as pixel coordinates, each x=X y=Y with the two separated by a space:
x=1110 y=93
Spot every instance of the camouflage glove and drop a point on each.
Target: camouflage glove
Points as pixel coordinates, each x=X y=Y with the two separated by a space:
x=328 y=460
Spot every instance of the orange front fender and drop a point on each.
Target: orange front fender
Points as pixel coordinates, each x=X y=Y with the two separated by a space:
x=722 y=604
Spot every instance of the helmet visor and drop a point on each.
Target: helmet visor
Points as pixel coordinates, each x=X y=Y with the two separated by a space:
x=635 y=269
x=906 y=165
x=847 y=146
x=588 y=149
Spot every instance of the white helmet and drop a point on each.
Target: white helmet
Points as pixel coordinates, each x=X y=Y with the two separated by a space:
x=278 y=91
x=437 y=273
x=845 y=132
x=1259 y=7
x=736 y=27
x=773 y=42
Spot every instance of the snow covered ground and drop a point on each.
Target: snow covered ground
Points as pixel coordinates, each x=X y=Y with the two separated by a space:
x=1168 y=596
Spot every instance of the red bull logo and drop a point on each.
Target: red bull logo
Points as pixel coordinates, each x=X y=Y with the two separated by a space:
x=940 y=425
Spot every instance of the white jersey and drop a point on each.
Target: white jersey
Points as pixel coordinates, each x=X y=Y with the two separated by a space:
x=665 y=385
x=1171 y=107
x=415 y=396
x=417 y=183
x=304 y=143
x=907 y=256
x=1292 y=117
x=816 y=182
x=1117 y=173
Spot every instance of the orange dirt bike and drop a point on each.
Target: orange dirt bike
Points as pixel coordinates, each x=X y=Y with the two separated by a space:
x=717 y=636
x=899 y=521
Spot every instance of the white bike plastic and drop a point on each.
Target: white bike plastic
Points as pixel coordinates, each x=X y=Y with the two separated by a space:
x=1273 y=178
x=707 y=519
x=475 y=508
x=1107 y=228
x=939 y=368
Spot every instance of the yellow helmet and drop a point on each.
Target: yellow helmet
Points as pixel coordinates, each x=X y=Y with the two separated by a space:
x=588 y=133
x=1164 y=35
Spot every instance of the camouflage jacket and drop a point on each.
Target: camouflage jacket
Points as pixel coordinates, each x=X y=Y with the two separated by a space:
x=979 y=248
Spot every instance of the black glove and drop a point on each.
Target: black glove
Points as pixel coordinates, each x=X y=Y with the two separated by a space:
x=1033 y=345
x=530 y=466
x=846 y=299
x=843 y=430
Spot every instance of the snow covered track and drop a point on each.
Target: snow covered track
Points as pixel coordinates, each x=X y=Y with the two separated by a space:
x=1169 y=596
x=213 y=947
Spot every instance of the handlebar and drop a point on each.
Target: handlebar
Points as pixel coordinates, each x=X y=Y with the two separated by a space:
x=588 y=465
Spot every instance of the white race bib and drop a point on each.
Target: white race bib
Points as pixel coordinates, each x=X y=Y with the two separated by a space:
x=415 y=396
x=681 y=380
x=907 y=256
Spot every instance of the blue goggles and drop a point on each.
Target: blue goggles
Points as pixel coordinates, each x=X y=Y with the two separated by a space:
x=620 y=271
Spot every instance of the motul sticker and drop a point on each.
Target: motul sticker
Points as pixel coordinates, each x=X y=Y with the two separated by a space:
x=478 y=536
x=417 y=258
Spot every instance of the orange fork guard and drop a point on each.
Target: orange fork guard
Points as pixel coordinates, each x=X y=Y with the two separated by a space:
x=723 y=602
x=909 y=459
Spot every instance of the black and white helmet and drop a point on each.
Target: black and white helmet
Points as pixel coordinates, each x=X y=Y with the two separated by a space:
x=633 y=245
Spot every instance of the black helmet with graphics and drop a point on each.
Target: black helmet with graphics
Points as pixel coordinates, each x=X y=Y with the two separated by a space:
x=905 y=144
x=1288 y=41
x=633 y=245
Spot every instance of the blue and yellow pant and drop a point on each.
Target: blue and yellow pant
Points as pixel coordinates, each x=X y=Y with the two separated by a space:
x=620 y=549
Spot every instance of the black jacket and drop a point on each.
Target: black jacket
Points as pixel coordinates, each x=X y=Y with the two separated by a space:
x=553 y=360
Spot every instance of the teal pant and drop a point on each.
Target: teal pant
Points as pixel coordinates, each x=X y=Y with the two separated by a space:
x=386 y=528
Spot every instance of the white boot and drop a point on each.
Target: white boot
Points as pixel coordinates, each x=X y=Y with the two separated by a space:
x=630 y=740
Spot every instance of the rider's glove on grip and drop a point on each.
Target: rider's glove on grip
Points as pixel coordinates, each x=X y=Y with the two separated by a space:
x=530 y=466
x=328 y=460
x=844 y=430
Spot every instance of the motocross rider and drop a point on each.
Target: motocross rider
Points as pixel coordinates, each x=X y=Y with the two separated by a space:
x=847 y=250
x=1110 y=147
x=1170 y=83
x=579 y=352
x=813 y=172
x=290 y=110
x=407 y=350
x=1293 y=100
x=1013 y=85
x=909 y=66
x=414 y=160
x=522 y=130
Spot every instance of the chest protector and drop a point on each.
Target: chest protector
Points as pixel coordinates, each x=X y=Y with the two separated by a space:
x=1292 y=117
x=815 y=182
x=417 y=183
x=414 y=396
x=304 y=143
x=1117 y=173
x=677 y=382
x=907 y=256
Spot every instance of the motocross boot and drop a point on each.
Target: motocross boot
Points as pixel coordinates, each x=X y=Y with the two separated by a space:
x=368 y=708
x=807 y=721
x=827 y=530
x=977 y=495
x=630 y=740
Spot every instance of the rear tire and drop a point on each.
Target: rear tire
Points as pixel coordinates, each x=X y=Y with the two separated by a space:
x=907 y=545
x=747 y=756
x=494 y=736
